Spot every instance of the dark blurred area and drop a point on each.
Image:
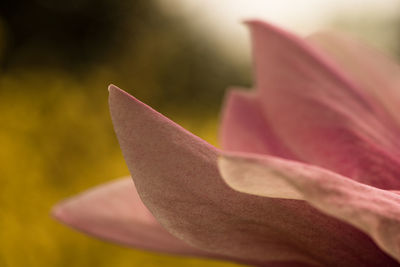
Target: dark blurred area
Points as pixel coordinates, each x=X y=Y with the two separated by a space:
x=56 y=60
x=149 y=52
x=67 y=34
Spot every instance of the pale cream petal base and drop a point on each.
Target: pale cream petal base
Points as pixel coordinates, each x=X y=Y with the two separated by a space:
x=374 y=211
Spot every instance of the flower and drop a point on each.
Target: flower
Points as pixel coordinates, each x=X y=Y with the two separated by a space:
x=307 y=174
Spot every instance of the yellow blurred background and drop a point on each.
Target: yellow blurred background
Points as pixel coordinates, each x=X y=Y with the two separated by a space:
x=56 y=138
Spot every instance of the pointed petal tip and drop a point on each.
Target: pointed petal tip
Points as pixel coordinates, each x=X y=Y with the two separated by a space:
x=56 y=212
x=117 y=93
x=254 y=22
x=67 y=213
x=114 y=89
x=265 y=26
x=59 y=213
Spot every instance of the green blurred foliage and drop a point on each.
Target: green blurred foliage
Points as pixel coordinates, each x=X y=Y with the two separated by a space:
x=56 y=137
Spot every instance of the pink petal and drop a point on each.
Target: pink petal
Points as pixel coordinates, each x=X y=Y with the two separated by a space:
x=374 y=211
x=114 y=212
x=366 y=66
x=177 y=178
x=319 y=114
x=244 y=127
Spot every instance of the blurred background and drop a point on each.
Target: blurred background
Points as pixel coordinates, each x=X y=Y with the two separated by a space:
x=56 y=61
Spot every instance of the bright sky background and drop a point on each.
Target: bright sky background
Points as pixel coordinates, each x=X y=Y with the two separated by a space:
x=222 y=17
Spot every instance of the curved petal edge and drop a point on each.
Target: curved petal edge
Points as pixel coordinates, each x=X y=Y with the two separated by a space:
x=114 y=212
x=374 y=211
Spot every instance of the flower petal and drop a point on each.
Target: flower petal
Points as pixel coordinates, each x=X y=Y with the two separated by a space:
x=244 y=127
x=114 y=212
x=366 y=66
x=372 y=210
x=319 y=114
x=177 y=178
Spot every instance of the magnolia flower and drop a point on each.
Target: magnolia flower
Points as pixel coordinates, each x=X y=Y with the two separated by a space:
x=306 y=176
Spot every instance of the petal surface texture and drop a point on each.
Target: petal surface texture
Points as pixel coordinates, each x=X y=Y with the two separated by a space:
x=366 y=66
x=319 y=114
x=372 y=210
x=177 y=178
x=244 y=127
x=114 y=212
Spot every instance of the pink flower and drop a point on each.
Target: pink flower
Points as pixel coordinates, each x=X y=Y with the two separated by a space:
x=310 y=178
